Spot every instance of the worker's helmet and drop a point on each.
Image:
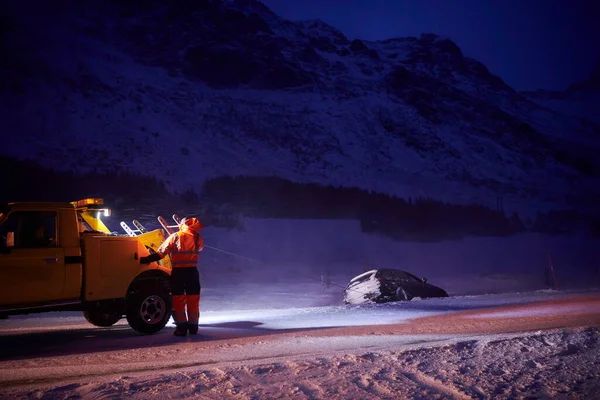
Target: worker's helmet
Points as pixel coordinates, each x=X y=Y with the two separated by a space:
x=192 y=223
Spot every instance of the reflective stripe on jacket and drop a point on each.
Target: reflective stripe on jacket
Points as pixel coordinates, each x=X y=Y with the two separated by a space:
x=184 y=247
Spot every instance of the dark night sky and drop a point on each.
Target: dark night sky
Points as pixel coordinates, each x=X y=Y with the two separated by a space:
x=531 y=44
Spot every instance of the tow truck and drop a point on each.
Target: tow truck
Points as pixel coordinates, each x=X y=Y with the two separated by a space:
x=57 y=256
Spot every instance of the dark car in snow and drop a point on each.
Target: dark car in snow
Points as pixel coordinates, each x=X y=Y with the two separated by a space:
x=386 y=285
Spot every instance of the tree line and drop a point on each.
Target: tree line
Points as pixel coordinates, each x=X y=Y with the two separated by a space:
x=421 y=219
x=26 y=180
x=223 y=200
x=418 y=219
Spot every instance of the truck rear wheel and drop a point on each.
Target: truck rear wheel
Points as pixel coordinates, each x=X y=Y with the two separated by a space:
x=149 y=308
x=101 y=317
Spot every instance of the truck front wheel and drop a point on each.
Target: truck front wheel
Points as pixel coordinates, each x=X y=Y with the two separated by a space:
x=101 y=317
x=149 y=308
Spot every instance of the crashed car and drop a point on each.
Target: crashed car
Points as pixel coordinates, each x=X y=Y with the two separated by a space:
x=387 y=285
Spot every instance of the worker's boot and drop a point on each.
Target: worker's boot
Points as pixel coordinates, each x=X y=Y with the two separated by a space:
x=181 y=329
x=193 y=328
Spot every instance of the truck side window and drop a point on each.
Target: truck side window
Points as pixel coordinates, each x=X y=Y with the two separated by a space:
x=32 y=228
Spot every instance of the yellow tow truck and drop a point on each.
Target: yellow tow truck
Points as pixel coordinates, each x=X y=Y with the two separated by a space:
x=62 y=257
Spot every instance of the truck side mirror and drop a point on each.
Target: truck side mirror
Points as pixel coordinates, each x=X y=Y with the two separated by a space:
x=424 y=280
x=10 y=240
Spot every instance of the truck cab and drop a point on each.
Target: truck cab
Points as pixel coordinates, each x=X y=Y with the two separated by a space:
x=61 y=256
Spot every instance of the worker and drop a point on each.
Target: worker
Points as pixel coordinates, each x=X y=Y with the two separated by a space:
x=184 y=247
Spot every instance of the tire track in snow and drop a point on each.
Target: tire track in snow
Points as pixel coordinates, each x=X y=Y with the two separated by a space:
x=310 y=390
x=426 y=381
x=417 y=374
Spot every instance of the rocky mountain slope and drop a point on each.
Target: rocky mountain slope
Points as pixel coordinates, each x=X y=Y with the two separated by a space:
x=581 y=100
x=190 y=90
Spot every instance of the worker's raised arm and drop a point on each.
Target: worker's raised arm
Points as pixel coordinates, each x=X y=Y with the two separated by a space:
x=167 y=247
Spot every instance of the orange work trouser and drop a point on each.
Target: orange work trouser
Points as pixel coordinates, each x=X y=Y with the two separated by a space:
x=185 y=286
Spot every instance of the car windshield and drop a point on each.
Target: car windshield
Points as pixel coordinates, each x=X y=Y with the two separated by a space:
x=397 y=274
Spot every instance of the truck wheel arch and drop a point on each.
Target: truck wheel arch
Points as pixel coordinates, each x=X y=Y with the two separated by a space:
x=156 y=276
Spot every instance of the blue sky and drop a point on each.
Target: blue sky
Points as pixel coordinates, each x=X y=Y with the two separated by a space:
x=531 y=44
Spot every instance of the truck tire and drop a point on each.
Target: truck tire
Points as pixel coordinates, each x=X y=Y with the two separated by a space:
x=149 y=308
x=101 y=317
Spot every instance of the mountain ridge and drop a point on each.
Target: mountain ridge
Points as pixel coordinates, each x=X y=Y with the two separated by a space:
x=194 y=90
x=581 y=99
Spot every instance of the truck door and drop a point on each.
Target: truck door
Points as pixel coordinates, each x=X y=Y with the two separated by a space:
x=33 y=271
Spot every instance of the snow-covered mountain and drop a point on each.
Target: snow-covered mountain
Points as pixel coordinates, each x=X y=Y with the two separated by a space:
x=190 y=90
x=580 y=100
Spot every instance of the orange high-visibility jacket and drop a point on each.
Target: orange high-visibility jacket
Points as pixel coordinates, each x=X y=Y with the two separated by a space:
x=184 y=246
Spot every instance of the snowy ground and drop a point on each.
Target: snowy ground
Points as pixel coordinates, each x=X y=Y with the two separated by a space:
x=271 y=329
x=542 y=344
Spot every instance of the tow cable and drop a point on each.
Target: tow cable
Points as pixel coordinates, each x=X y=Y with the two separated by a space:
x=330 y=283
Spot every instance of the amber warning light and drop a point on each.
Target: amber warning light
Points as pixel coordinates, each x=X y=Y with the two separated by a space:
x=88 y=202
